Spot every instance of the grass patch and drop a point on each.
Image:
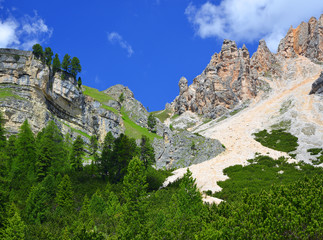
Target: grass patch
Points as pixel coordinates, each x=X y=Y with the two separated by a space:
x=282 y=125
x=77 y=131
x=101 y=97
x=234 y=112
x=97 y=95
x=162 y=115
x=222 y=118
x=8 y=93
x=135 y=131
x=260 y=175
x=175 y=116
x=278 y=140
x=316 y=151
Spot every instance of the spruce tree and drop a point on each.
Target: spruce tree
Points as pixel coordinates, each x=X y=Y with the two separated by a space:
x=79 y=82
x=51 y=151
x=15 y=228
x=134 y=193
x=23 y=172
x=77 y=154
x=37 y=204
x=65 y=195
x=151 y=123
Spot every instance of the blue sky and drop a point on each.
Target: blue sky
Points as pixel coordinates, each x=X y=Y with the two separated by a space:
x=147 y=45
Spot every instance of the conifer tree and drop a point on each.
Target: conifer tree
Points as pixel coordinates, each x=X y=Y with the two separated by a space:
x=23 y=172
x=11 y=151
x=48 y=56
x=15 y=228
x=66 y=64
x=75 y=66
x=134 y=193
x=36 y=204
x=77 y=154
x=79 y=82
x=106 y=163
x=38 y=51
x=56 y=64
x=151 y=122
x=50 y=150
x=65 y=195
x=147 y=151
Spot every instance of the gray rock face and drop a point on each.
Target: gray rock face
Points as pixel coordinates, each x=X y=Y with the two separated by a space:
x=317 y=86
x=306 y=40
x=226 y=81
x=182 y=149
x=134 y=109
x=38 y=96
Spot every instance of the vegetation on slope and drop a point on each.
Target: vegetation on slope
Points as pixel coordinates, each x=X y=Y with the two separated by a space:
x=261 y=174
x=162 y=115
x=7 y=93
x=277 y=139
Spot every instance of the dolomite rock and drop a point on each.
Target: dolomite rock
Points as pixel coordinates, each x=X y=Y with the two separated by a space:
x=224 y=83
x=306 y=40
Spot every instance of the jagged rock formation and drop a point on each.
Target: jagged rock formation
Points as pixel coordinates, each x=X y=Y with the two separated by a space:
x=29 y=90
x=317 y=86
x=306 y=40
x=226 y=81
x=232 y=77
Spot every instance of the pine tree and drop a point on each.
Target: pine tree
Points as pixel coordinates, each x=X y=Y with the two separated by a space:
x=147 y=152
x=75 y=66
x=134 y=193
x=38 y=51
x=65 y=195
x=66 y=64
x=56 y=64
x=77 y=154
x=48 y=54
x=15 y=229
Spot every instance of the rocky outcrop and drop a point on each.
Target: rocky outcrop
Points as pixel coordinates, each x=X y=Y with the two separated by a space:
x=306 y=40
x=182 y=149
x=134 y=109
x=263 y=61
x=226 y=81
x=317 y=86
x=39 y=96
x=29 y=90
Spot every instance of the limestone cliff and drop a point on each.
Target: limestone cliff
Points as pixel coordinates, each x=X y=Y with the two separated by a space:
x=29 y=90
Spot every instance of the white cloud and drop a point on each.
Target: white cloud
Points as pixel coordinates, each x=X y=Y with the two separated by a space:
x=251 y=20
x=23 y=33
x=115 y=37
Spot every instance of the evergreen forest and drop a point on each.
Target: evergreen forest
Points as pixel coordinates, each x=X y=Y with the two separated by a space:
x=47 y=192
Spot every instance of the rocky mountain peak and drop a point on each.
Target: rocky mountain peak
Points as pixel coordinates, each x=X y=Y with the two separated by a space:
x=223 y=84
x=305 y=40
x=263 y=60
